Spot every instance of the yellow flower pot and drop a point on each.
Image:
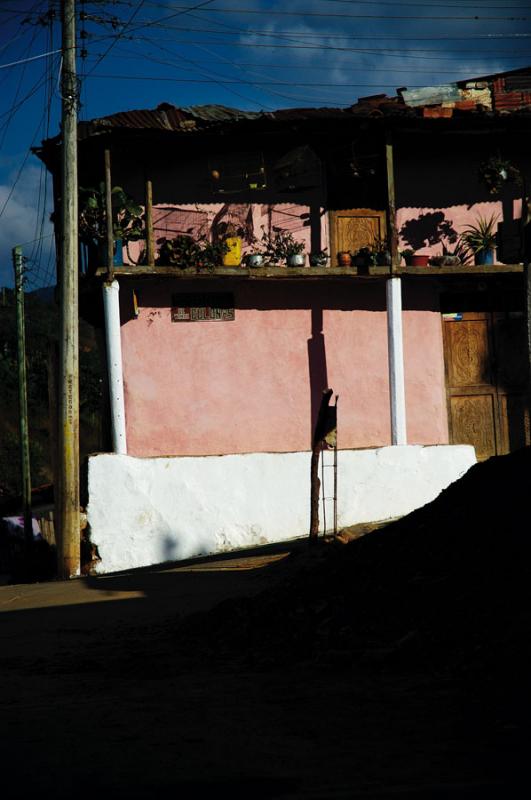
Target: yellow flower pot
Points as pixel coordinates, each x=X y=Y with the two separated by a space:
x=233 y=256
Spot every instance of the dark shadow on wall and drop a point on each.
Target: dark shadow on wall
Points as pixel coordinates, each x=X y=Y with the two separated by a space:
x=427 y=230
x=156 y=294
x=317 y=366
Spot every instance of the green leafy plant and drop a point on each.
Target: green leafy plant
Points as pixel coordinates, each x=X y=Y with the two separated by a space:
x=181 y=251
x=452 y=256
x=364 y=257
x=319 y=258
x=496 y=171
x=184 y=251
x=211 y=253
x=127 y=221
x=381 y=251
x=280 y=244
x=407 y=255
x=481 y=236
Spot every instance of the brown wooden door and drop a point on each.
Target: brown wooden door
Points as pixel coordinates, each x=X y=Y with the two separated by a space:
x=486 y=374
x=354 y=228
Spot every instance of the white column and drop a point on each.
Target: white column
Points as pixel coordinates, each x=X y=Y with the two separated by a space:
x=395 y=346
x=111 y=308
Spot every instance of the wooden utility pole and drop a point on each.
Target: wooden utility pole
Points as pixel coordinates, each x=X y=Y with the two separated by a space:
x=67 y=511
x=392 y=233
x=150 y=244
x=108 y=216
x=23 y=399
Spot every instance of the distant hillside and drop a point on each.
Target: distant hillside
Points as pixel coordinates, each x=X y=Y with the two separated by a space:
x=42 y=326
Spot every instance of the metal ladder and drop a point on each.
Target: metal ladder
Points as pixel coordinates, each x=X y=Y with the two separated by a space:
x=331 y=441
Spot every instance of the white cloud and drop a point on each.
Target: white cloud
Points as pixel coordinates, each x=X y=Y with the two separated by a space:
x=21 y=220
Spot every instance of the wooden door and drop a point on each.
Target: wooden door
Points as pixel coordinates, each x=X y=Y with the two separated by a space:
x=354 y=228
x=486 y=375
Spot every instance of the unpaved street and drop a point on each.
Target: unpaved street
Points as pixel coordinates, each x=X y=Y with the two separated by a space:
x=101 y=697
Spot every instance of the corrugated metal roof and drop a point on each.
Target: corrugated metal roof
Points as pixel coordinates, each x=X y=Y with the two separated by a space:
x=502 y=93
x=214 y=113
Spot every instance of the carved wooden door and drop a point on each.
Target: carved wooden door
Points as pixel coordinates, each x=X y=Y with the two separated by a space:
x=485 y=381
x=355 y=228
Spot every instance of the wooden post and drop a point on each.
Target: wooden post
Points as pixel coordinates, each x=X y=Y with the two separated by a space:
x=23 y=399
x=392 y=232
x=67 y=514
x=108 y=216
x=527 y=276
x=52 y=364
x=150 y=244
x=315 y=483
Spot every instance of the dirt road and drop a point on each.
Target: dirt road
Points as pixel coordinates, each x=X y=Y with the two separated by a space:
x=100 y=696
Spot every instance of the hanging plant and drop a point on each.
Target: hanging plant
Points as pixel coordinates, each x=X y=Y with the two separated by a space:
x=496 y=171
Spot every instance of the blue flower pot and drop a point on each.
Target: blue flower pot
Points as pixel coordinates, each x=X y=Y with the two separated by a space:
x=484 y=257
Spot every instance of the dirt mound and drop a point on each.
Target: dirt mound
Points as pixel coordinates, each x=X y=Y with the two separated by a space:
x=450 y=584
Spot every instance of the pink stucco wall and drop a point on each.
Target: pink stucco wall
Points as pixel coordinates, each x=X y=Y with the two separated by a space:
x=459 y=216
x=253 y=384
x=197 y=220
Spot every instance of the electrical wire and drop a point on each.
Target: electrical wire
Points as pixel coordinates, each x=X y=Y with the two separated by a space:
x=26 y=60
x=228 y=81
x=128 y=23
x=281 y=13
x=398 y=52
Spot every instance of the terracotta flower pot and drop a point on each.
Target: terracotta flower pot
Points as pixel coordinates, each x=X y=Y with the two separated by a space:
x=344 y=259
x=419 y=261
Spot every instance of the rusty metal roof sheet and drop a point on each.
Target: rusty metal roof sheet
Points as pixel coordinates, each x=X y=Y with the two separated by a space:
x=503 y=93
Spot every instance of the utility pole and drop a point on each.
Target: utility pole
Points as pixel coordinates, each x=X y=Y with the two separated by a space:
x=23 y=401
x=67 y=509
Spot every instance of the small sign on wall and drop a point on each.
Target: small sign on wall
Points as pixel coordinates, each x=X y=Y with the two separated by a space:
x=202 y=307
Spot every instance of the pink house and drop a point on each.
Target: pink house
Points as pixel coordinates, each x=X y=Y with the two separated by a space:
x=216 y=372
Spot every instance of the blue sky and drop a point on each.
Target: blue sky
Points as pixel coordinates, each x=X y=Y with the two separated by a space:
x=252 y=54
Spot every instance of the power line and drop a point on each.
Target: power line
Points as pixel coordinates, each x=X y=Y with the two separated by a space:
x=259 y=65
x=33 y=58
x=13 y=108
x=489 y=37
x=15 y=182
x=390 y=52
x=229 y=81
x=275 y=12
x=483 y=6
x=131 y=18
x=330 y=35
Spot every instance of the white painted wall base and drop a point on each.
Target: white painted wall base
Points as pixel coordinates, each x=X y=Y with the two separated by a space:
x=146 y=511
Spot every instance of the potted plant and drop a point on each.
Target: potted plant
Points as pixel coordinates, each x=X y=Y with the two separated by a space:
x=364 y=257
x=213 y=254
x=282 y=246
x=496 y=171
x=127 y=222
x=181 y=251
x=420 y=260
x=319 y=258
x=382 y=254
x=231 y=236
x=255 y=258
x=480 y=239
x=451 y=257
x=344 y=258
x=407 y=255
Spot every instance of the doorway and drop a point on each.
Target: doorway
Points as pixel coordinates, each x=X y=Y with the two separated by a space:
x=486 y=379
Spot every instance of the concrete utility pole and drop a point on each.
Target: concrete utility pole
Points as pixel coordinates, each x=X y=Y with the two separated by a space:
x=67 y=511
x=23 y=399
